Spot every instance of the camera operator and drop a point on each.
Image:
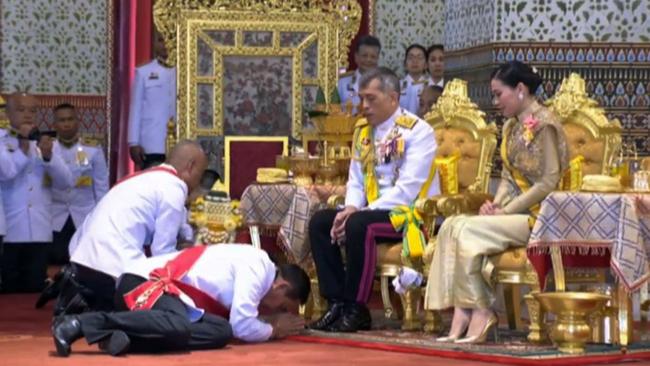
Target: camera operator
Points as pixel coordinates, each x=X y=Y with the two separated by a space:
x=26 y=179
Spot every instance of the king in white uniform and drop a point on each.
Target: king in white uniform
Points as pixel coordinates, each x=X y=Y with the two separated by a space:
x=393 y=156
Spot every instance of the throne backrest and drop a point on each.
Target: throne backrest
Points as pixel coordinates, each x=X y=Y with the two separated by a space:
x=461 y=129
x=589 y=132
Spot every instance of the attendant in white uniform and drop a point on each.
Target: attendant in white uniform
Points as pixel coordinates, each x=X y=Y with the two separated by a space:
x=366 y=56
x=241 y=279
x=145 y=209
x=415 y=63
x=436 y=64
x=30 y=171
x=153 y=105
x=393 y=152
x=87 y=164
x=4 y=159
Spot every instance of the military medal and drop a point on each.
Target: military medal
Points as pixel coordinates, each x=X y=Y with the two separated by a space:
x=82 y=157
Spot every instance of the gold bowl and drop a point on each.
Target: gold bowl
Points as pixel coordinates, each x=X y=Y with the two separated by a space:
x=327 y=174
x=303 y=167
x=571 y=331
x=335 y=124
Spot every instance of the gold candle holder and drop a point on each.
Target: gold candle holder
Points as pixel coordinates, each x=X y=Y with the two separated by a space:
x=571 y=331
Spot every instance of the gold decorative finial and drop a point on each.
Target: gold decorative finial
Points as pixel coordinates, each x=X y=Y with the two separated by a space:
x=454 y=103
x=572 y=98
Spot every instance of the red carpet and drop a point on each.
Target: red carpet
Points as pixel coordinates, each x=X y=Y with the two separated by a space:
x=25 y=341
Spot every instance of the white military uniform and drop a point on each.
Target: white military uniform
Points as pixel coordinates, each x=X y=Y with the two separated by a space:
x=401 y=180
x=25 y=183
x=410 y=91
x=145 y=209
x=4 y=160
x=153 y=103
x=90 y=174
x=348 y=88
x=237 y=275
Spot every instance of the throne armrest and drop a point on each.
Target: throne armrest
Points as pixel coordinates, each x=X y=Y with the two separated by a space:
x=465 y=203
x=335 y=200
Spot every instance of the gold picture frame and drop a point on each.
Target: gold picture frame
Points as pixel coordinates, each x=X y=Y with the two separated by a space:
x=188 y=24
x=229 y=139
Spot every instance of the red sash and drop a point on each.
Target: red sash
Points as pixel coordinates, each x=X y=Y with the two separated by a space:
x=167 y=280
x=154 y=169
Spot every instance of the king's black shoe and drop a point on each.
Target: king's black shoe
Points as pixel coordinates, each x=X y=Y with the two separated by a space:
x=331 y=315
x=355 y=317
x=65 y=331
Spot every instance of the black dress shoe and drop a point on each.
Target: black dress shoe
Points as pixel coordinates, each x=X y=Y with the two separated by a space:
x=355 y=317
x=116 y=344
x=331 y=315
x=65 y=331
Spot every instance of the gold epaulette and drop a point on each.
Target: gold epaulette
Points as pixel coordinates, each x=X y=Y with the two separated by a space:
x=406 y=121
x=346 y=74
x=90 y=140
x=361 y=122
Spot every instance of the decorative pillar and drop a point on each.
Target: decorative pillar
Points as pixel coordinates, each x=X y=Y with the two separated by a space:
x=605 y=41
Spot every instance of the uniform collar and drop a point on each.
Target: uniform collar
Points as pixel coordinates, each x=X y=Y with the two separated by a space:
x=411 y=81
x=167 y=166
x=440 y=83
x=68 y=143
x=390 y=121
x=162 y=63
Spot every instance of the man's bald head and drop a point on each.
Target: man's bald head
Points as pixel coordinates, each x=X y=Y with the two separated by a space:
x=21 y=109
x=190 y=161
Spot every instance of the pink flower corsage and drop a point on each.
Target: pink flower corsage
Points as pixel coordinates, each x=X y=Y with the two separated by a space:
x=530 y=123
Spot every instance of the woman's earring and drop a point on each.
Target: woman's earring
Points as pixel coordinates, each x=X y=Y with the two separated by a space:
x=520 y=96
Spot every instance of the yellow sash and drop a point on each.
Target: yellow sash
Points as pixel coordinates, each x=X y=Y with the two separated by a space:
x=366 y=155
x=519 y=178
x=408 y=220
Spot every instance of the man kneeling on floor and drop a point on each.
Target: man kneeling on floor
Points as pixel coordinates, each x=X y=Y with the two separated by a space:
x=185 y=303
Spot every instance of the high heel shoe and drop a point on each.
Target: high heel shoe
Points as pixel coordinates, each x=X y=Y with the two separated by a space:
x=453 y=338
x=493 y=321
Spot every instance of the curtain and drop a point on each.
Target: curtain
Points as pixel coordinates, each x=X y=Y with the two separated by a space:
x=133 y=46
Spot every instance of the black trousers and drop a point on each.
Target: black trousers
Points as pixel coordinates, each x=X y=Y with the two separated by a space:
x=352 y=282
x=23 y=267
x=60 y=242
x=96 y=288
x=153 y=160
x=163 y=328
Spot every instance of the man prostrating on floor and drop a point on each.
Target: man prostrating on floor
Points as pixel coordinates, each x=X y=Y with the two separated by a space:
x=185 y=302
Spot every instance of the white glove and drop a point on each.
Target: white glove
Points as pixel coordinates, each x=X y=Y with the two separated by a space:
x=406 y=279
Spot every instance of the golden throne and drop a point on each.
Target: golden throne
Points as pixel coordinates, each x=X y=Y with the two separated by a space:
x=464 y=137
x=590 y=135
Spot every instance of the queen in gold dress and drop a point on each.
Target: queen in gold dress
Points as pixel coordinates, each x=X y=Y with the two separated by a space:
x=534 y=154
